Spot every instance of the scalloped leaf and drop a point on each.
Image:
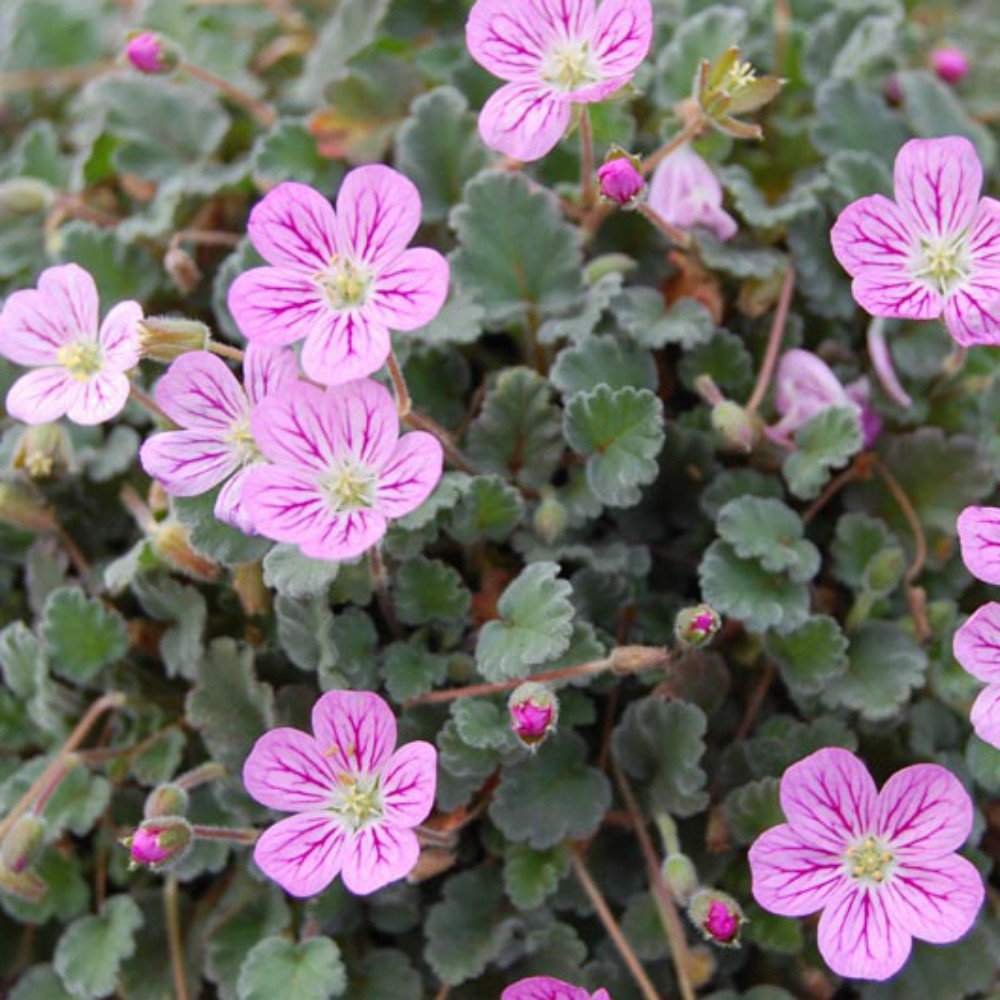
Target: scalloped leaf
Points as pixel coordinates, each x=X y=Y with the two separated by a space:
x=771 y=532
x=82 y=635
x=309 y=970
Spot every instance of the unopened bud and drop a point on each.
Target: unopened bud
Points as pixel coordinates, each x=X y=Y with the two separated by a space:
x=608 y=263
x=620 y=178
x=950 y=63
x=25 y=195
x=183 y=270
x=156 y=842
x=736 y=428
x=152 y=54
x=25 y=885
x=681 y=878
x=634 y=659
x=166 y=338
x=718 y=916
x=700 y=966
x=550 y=520
x=696 y=626
x=23 y=843
x=19 y=507
x=165 y=800
x=42 y=450
x=534 y=710
x=172 y=543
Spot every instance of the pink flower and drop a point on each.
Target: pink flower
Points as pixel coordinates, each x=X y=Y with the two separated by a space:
x=977 y=648
x=146 y=53
x=201 y=395
x=340 y=471
x=547 y=988
x=933 y=251
x=79 y=365
x=620 y=181
x=355 y=800
x=880 y=865
x=339 y=281
x=553 y=54
x=979 y=538
x=687 y=194
x=533 y=712
x=950 y=63
x=157 y=841
x=718 y=916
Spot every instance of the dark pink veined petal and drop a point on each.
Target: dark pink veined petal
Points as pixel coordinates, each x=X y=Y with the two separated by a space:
x=285 y=504
x=378 y=211
x=873 y=232
x=99 y=398
x=31 y=332
x=524 y=120
x=985 y=715
x=881 y=358
x=622 y=35
x=924 y=812
x=976 y=644
x=355 y=729
x=984 y=236
x=200 y=392
x=378 y=855
x=288 y=771
x=505 y=39
x=829 y=798
x=41 y=396
x=345 y=536
x=410 y=291
x=345 y=346
x=266 y=370
x=275 y=307
x=972 y=311
x=410 y=475
x=119 y=337
x=564 y=19
x=408 y=784
x=363 y=421
x=790 y=877
x=188 y=462
x=545 y=988
x=295 y=427
x=937 y=184
x=979 y=538
x=302 y=853
x=73 y=296
x=229 y=506
x=858 y=939
x=936 y=901
x=896 y=294
x=294 y=226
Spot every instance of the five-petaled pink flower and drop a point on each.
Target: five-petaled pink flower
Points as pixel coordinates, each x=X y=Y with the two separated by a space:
x=202 y=396
x=879 y=864
x=977 y=648
x=80 y=365
x=547 y=988
x=355 y=800
x=339 y=280
x=933 y=251
x=553 y=54
x=340 y=471
x=687 y=194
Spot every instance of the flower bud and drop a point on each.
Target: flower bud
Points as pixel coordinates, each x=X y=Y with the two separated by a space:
x=950 y=63
x=681 y=878
x=165 y=800
x=534 y=710
x=696 y=626
x=25 y=195
x=734 y=425
x=729 y=86
x=166 y=338
x=634 y=659
x=621 y=178
x=23 y=843
x=152 y=54
x=183 y=270
x=171 y=542
x=42 y=450
x=550 y=519
x=718 y=916
x=20 y=508
x=158 y=841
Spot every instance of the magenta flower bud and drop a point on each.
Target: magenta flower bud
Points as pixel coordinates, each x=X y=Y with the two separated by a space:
x=695 y=626
x=157 y=841
x=621 y=180
x=950 y=63
x=148 y=53
x=718 y=916
x=534 y=710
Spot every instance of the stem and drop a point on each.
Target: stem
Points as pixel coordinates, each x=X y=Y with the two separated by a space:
x=225 y=350
x=611 y=925
x=586 y=161
x=206 y=237
x=832 y=488
x=76 y=556
x=148 y=403
x=199 y=775
x=690 y=131
x=773 y=342
x=235 y=835
x=782 y=24
x=170 y=905
x=908 y=511
x=403 y=401
x=69 y=76
x=263 y=112
x=672 y=233
x=421 y=422
x=139 y=509
x=376 y=571
x=755 y=703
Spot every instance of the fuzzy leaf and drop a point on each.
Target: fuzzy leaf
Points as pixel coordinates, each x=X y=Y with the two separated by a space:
x=643 y=314
x=289 y=153
x=82 y=635
x=386 y=974
x=410 y=669
x=602 y=361
x=705 y=35
x=428 y=590
x=310 y=970
x=811 y=655
x=305 y=632
x=771 y=532
x=850 y=117
x=40 y=982
x=752 y=809
x=293 y=574
x=165 y=599
x=489 y=510
x=530 y=876
x=825 y=443
x=219 y=542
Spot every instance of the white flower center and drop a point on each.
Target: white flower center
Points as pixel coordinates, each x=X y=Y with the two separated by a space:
x=358 y=800
x=346 y=283
x=81 y=358
x=241 y=441
x=943 y=263
x=350 y=485
x=741 y=74
x=869 y=860
x=570 y=65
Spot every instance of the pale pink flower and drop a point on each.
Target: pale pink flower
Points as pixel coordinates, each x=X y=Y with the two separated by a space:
x=355 y=797
x=879 y=864
x=979 y=538
x=977 y=648
x=80 y=365
x=341 y=472
x=202 y=396
x=553 y=54
x=950 y=63
x=339 y=280
x=935 y=250
x=687 y=194
x=547 y=988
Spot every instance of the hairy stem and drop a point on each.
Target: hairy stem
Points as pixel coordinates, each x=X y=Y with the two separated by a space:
x=235 y=836
x=148 y=403
x=671 y=232
x=421 y=422
x=586 y=161
x=263 y=112
x=380 y=584
x=171 y=905
x=690 y=131
x=773 y=342
x=225 y=350
x=403 y=402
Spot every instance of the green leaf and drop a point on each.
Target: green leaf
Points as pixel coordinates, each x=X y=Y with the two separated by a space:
x=551 y=795
x=310 y=970
x=761 y=213
x=850 y=117
x=410 y=669
x=165 y=599
x=530 y=876
x=305 y=632
x=428 y=590
x=856 y=174
x=489 y=509
x=811 y=655
x=660 y=744
x=739 y=261
x=92 y=948
x=82 y=635
x=643 y=314
x=824 y=443
x=213 y=539
x=725 y=358
x=22 y=660
x=845 y=45
x=867 y=556
x=621 y=432
x=752 y=809
x=771 y=532
x=293 y=574
x=484 y=723
x=289 y=152
x=535 y=625
x=67 y=893
x=40 y=982
x=460 y=321
x=581 y=323
x=386 y=974
x=602 y=361
x=121 y=270
x=780 y=741
x=516 y=254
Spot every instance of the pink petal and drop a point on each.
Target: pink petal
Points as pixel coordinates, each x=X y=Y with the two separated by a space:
x=562 y=19
x=409 y=293
x=266 y=370
x=790 y=877
x=544 y=988
x=188 y=462
x=355 y=729
x=936 y=901
x=294 y=226
x=288 y=771
x=881 y=358
x=972 y=312
x=378 y=211
x=873 y=232
x=984 y=236
x=979 y=537
x=985 y=715
x=302 y=853
x=31 y=331
x=410 y=475
x=622 y=36
x=976 y=644
x=119 y=337
x=378 y=855
x=829 y=798
x=285 y=504
x=924 y=812
x=275 y=307
x=803 y=386
x=229 y=506
x=408 y=784
x=73 y=296
x=41 y=396
x=345 y=346
x=857 y=938
x=98 y=399
x=345 y=536
x=505 y=39
x=200 y=392
x=524 y=120
x=896 y=294
x=686 y=192
x=937 y=184
x=364 y=421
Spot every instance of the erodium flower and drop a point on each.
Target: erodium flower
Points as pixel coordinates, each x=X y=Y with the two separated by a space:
x=547 y=988
x=879 y=864
x=341 y=472
x=977 y=648
x=80 y=365
x=933 y=251
x=553 y=54
x=979 y=538
x=202 y=396
x=339 y=280
x=686 y=193
x=355 y=800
